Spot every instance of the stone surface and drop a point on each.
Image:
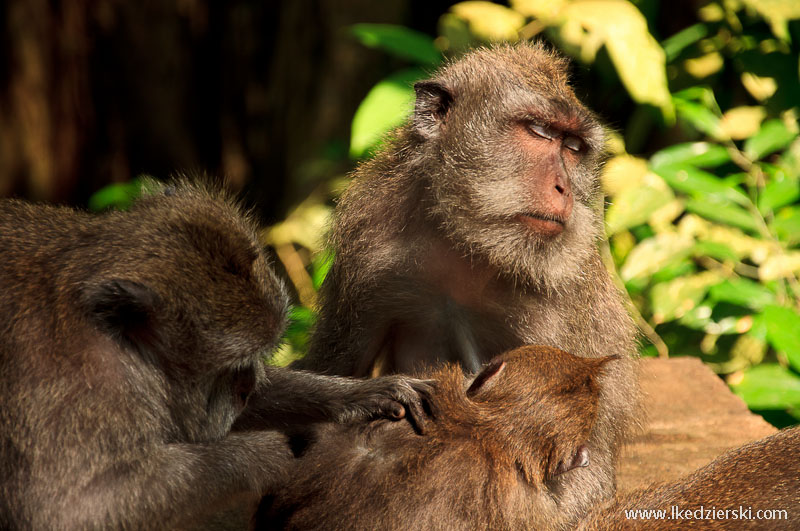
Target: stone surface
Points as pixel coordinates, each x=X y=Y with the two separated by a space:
x=692 y=417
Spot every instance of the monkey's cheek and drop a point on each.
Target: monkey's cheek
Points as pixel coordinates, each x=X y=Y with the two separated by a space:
x=544 y=227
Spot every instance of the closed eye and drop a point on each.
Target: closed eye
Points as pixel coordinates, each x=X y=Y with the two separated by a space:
x=542 y=131
x=573 y=143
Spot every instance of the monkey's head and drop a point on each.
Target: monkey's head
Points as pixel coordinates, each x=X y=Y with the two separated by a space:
x=184 y=284
x=532 y=408
x=512 y=160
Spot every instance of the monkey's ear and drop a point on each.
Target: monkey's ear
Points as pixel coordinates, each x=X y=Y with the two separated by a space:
x=486 y=378
x=430 y=109
x=123 y=309
x=578 y=459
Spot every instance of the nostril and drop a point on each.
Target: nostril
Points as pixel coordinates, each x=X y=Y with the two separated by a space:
x=560 y=189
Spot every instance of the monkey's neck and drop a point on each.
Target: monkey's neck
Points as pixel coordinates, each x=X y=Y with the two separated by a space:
x=467 y=281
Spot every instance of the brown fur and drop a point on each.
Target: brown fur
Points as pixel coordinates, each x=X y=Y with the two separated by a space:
x=763 y=475
x=490 y=458
x=436 y=261
x=129 y=343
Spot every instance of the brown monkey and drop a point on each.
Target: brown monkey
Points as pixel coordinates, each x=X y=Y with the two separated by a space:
x=756 y=486
x=129 y=343
x=489 y=459
x=475 y=230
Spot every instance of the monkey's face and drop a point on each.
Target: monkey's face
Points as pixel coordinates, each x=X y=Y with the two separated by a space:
x=543 y=402
x=189 y=291
x=516 y=179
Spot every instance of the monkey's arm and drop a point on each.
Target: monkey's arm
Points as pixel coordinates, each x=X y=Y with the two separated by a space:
x=172 y=483
x=292 y=397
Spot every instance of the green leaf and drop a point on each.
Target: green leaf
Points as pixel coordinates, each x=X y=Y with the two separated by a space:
x=699 y=116
x=769 y=386
x=655 y=253
x=119 y=196
x=321 y=265
x=686 y=37
x=716 y=250
x=786 y=225
x=772 y=136
x=385 y=107
x=742 y=292
x=694 y=181
x=700 y=154
x=779 y=192
x=399 y=41
x=723 y=211
x=783 y=332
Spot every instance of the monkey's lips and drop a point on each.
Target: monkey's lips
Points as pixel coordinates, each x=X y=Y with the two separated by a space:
x=546 y=225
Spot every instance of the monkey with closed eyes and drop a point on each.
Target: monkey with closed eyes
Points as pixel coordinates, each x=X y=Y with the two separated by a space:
x=475 y=230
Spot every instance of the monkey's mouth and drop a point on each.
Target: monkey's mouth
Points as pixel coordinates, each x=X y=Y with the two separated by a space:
x=545 y=224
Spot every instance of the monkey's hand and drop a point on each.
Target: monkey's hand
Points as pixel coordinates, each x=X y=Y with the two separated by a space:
x=291 y=398
x=394 y=397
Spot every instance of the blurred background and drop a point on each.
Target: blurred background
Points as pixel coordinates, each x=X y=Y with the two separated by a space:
x=282 y=99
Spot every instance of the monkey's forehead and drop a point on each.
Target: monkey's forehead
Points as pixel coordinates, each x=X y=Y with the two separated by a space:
x=533 y=63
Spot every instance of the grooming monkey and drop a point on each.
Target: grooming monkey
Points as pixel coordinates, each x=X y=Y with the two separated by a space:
x=130 y=342
x=491 y=455
x=474 y=230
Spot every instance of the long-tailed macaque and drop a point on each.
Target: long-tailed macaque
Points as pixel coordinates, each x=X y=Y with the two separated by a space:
x=475 y=230
x=492 y=455
x=130 y=342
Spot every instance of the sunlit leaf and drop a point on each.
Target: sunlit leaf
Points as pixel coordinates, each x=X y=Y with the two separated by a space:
x=638 y=58
x=488 y=21
x=742 y=122
x=783 y=332
x=385 y=107
x=743 y=292
x=769 y=386
x=760 y=87
x=780 y=266
x=692 y=180
x=723 y=211
x=541 y=9
x=704 y=66
x=634 y=206
x=671 y=300
x=655 y=253
x=772 y=136
x=740 y=243
x=399 y=41
x=700 y=154
x=623 y=172
x=305 y=225
x=777 y=13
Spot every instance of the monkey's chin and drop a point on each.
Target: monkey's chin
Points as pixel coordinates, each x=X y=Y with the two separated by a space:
x=540 y=225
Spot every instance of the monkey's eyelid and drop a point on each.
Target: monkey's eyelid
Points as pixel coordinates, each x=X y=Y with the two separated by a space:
x=573 y=143
x=542 y=130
